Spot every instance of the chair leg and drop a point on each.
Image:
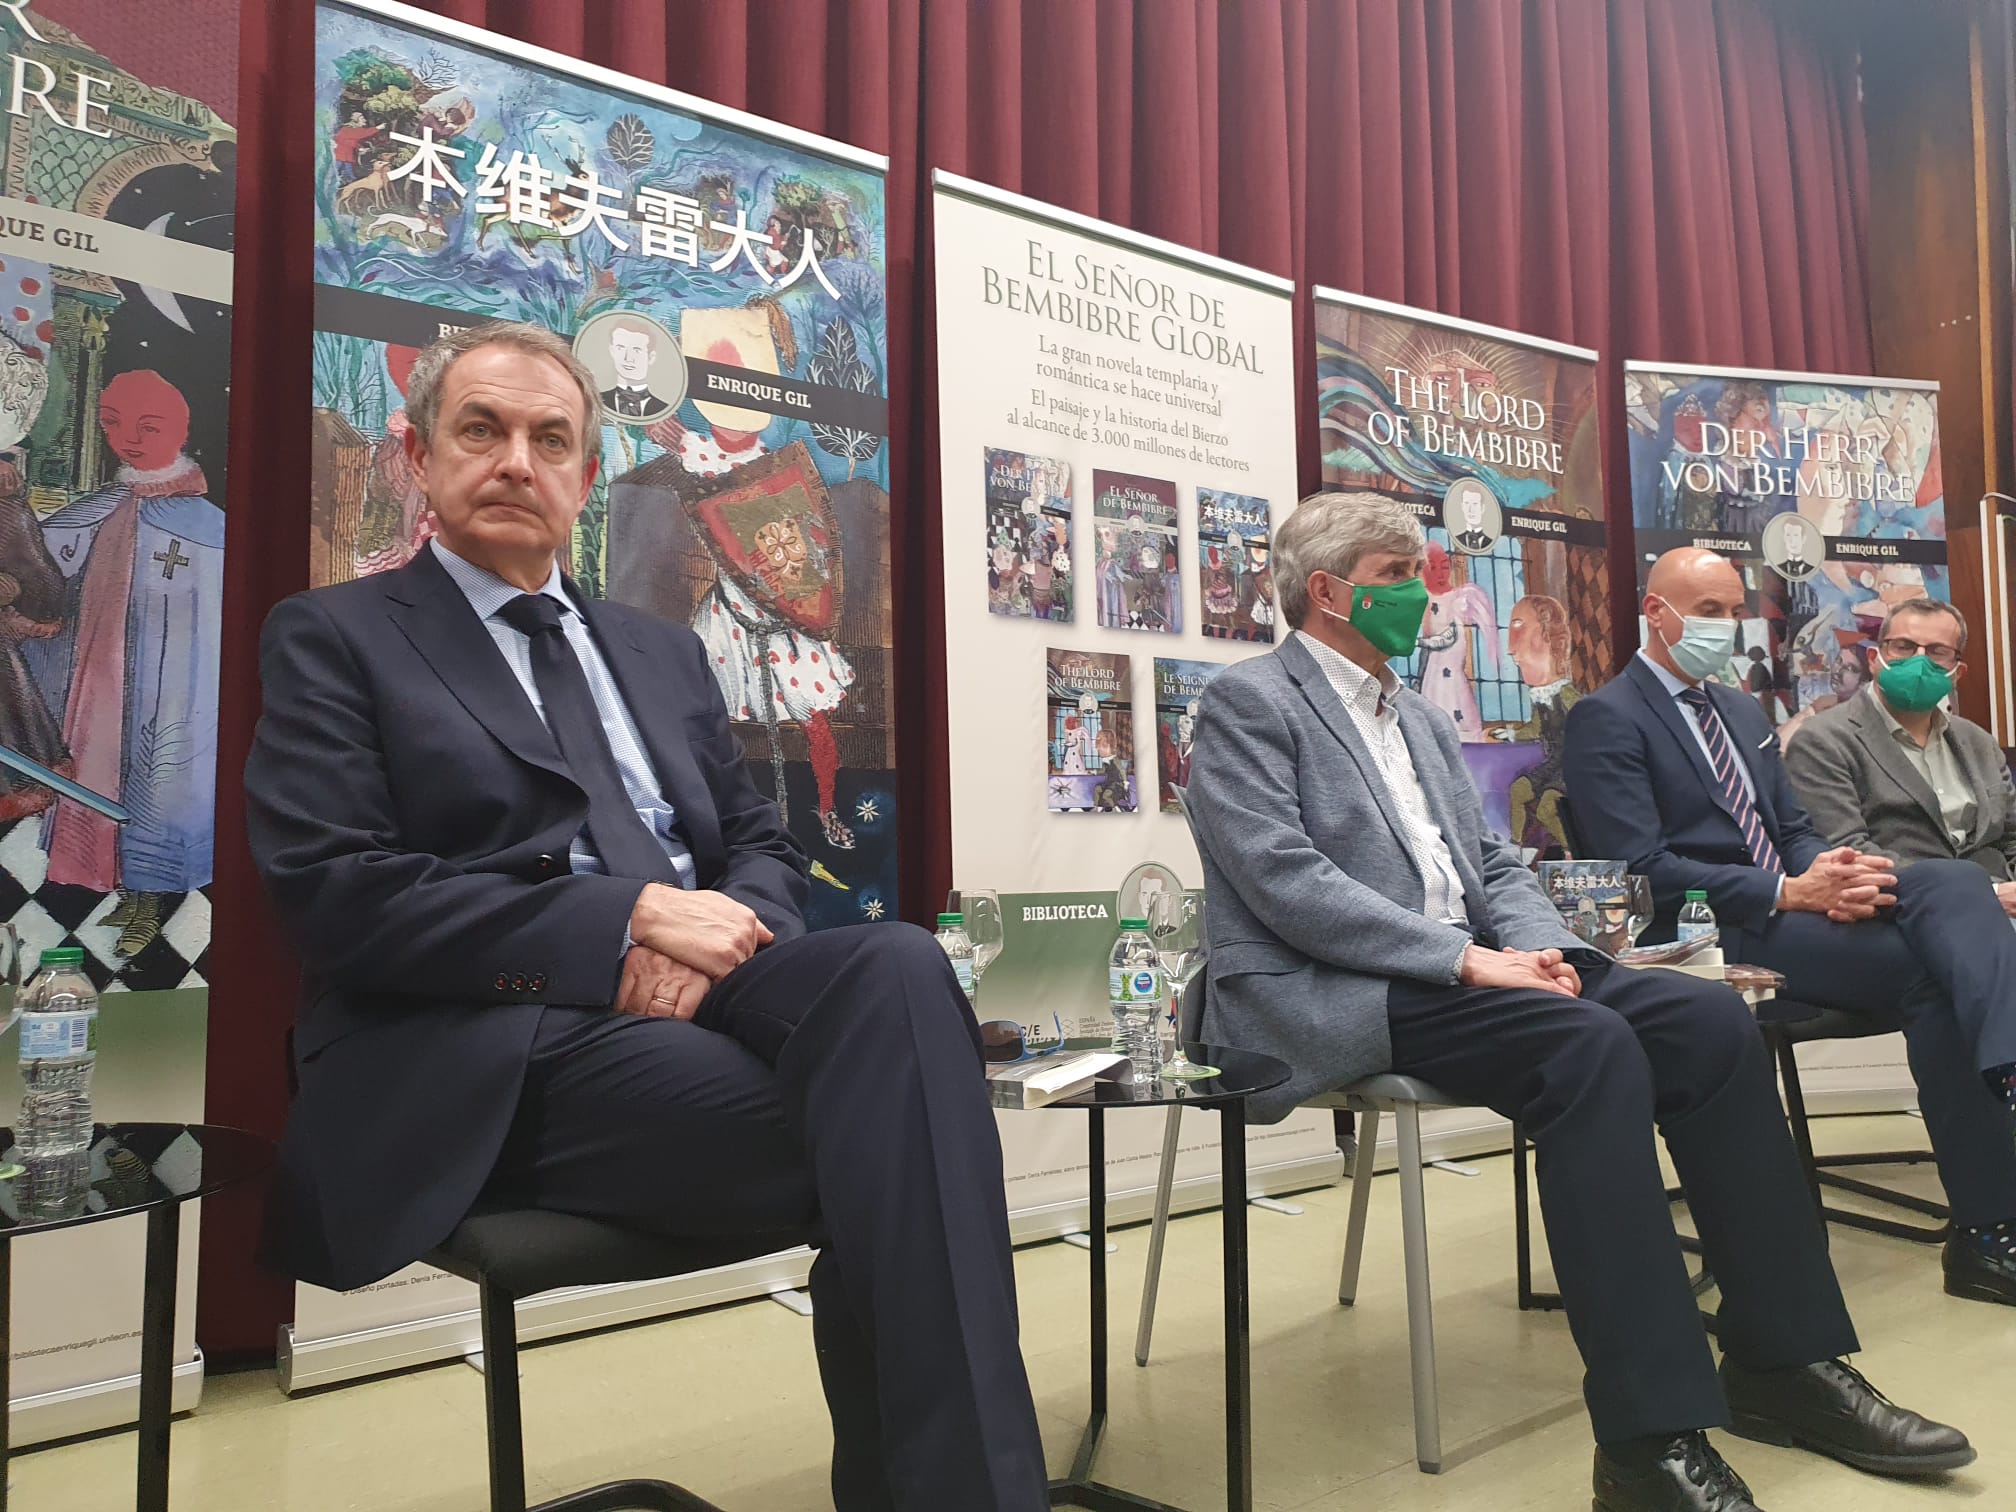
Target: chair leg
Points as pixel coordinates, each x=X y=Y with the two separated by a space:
x=1165 y=1182
x=500 y=1398
x=1787 y=1055
x=1420 y=1306
x=1361 y=1206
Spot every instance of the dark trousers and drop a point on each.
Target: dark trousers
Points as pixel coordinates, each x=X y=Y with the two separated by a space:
x=1942 y=969
x=1588 y=1077
x=835 y=1076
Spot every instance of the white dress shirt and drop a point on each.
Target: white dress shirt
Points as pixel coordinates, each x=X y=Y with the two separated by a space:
x=1369 y=702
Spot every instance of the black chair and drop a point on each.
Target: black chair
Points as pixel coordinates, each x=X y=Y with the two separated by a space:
x=1787 y=1024
x=514 y=1255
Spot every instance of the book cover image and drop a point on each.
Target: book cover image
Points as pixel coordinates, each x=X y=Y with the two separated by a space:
x=1592 y=898
x=1028 y=536
x=1134 y=522
x=1178 y=686
x=1090 y=755
x=1235 y=584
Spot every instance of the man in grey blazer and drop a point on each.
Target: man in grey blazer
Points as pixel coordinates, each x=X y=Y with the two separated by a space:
x=1362 y=920
x=1892 y=773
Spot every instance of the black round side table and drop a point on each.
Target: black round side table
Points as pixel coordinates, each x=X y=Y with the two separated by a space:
x=135 y=1168
x=1241 y=1074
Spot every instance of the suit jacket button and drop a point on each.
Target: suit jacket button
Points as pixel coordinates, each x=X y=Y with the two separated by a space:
x=518 y=982
x=538 y=984
x=547 y=866
x=502 y=983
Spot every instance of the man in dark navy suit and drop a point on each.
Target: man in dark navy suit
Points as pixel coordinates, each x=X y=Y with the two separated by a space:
x=1683 y=779
x=555 y=955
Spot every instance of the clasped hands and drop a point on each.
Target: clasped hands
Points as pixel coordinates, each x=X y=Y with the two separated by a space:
x=1843 y=884
x=681 y=944
x=1541 y=970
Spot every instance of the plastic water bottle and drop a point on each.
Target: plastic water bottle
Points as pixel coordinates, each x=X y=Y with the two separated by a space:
x=1135 y=988
x=958 y=948
x=59 y=1048
x=1697 y=920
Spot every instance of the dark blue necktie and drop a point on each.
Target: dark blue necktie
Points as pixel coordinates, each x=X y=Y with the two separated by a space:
x=620 y=838
x=1722 y=757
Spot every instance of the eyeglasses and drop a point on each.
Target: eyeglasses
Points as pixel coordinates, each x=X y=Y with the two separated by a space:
x=1897 y=649
x=1004 y=1040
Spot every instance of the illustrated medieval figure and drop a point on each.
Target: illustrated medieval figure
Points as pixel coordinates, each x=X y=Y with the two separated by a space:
x=1538 y=642
x=774 y=660
x=1445 y=674
x=134 y=666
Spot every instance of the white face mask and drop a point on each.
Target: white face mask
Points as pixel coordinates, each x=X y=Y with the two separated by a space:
x=1704 y=646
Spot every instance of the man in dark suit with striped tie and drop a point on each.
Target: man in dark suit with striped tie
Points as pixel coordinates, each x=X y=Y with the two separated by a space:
x=1683 y=779
x=556 y=956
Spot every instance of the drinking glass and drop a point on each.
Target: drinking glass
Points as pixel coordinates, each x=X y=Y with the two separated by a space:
x=1638 y=905
x=1176 y=924
x=984 y=927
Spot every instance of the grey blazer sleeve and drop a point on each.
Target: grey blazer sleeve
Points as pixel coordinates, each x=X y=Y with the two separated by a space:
x=1244 y=798
x=1826 y=774
x=2000 y=795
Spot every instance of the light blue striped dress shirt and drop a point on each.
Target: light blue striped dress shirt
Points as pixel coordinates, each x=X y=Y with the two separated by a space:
x=487 y=593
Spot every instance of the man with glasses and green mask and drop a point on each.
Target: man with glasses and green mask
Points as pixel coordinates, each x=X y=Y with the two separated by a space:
x=1363 y=919
x=1865 y=894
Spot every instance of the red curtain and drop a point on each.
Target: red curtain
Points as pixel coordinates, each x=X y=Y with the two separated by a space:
x=1659 y=178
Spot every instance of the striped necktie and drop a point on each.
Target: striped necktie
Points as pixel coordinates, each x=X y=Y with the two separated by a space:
x=1722 y=757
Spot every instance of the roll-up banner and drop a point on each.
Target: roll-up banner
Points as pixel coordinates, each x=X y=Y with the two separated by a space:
x=1826 y=493
x=723 y=278
x=116 y=228
x=1490 y=437
x=1117 y=446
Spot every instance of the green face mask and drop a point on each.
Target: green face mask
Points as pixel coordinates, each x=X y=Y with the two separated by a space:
x=1915 y=684
x=1387 y=614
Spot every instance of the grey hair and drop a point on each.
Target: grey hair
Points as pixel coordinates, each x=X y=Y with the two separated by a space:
x=1925 y=606
x=430 y=372
x=1329 y=532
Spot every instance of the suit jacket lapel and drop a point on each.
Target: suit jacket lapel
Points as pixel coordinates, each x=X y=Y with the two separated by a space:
x=1882 y=745
x=1330 y=709
x=1667 y=712
x=433 y=614
x=1983 y=785
x=644 y=686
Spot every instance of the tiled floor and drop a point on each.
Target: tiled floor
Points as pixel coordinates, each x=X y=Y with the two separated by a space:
x=728 y=1402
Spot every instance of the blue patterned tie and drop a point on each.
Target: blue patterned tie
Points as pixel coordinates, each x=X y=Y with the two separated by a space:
x=1722 y=757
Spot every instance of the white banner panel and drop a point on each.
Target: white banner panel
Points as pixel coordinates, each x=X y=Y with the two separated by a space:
x=1117 y=445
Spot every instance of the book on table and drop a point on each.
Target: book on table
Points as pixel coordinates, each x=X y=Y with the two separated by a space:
x=1046 y=1079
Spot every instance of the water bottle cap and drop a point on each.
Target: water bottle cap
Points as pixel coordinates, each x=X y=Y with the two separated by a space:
x=68 y=955
x=947 y=919
x=1133 y=923
x=1696 y=895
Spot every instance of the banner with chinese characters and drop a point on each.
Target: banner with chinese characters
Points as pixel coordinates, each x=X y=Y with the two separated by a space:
x=723 y=278
x=1490 y=436
x=1111 y=478
x=1824 y=491
x=117 y=202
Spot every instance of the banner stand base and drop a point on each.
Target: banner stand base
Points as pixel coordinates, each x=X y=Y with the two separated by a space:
x=97 y=1406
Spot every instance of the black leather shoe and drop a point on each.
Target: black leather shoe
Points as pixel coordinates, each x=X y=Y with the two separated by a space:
x=1973 y=1273
x=1830 y=1409
x=1683 y=1474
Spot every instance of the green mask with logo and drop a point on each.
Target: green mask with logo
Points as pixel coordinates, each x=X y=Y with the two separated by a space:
x=1387 y=614
x=1915 y=684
